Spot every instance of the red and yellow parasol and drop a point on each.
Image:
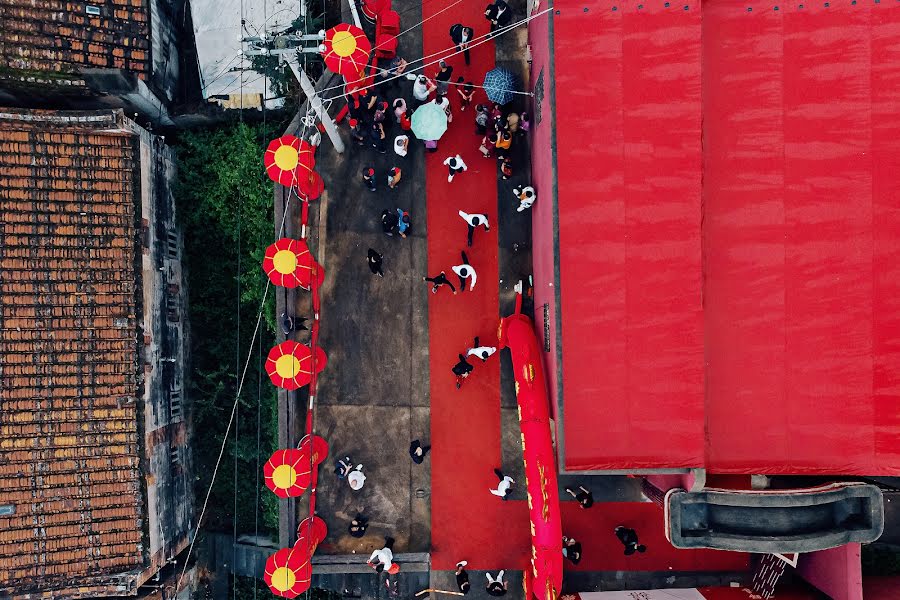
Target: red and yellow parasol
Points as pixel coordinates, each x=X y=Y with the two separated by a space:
x=288 y=573
x=286 y=156
x=311 y=186
x=288 y=472
x=289 y=364
x=289 y=263
x=310 y=533
x=346 y=49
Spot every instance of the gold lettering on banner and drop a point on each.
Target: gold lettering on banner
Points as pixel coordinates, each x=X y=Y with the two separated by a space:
x=517 y=392
x=528 y=495
x=545 y=496
x=551 y=593
x=523 y=441
x=532 y=527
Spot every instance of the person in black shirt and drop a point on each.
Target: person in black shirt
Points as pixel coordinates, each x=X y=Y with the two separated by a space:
x=442 y=79
x=358 y=526
x=498 y=15
x=584 y=496
x=461 y=370
x=572 y=550
x=375 y=262
x=417 y=451
x=462 y=578
x=629 y=539
x=496 y=587
x=462 y=36
x=439 y=281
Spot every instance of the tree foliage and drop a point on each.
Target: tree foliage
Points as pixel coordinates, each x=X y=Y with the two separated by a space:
x=225 y=203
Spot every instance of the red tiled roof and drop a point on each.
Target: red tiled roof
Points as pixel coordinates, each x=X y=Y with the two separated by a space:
x=69 y=446
x=57 y=37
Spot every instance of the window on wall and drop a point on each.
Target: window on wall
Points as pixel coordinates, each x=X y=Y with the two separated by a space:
x=538 y=97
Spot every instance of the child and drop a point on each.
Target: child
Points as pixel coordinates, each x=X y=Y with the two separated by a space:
x=506 y=169
x=466 y=93
x=393 y=177
x=481 y=119
x=369 y=177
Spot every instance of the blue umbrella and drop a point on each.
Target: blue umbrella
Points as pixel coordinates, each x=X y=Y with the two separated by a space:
x=499 y=85
x=429 y=122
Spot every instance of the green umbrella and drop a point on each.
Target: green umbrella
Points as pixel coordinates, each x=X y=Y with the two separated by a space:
x=429 y=122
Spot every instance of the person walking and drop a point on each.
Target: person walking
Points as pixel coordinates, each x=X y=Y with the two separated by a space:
x=498 y=15
x=465 y=271
x=482 y=352
x=442 y=78
x=571 y=549
x=505 y=483
x=383 y=559
x=496 y=587
x=455 y=165
x=584 y=497
x=417 y=451
x=404 y=225
x=461 y=36
x=342 y=467
x=473 y=221
x=377 y=135
x=462 y=578
x=526 y=196
x=461 y=370
x=439 y=281
x=629 y=539
x=393 y=177
x=368 y=175
x=358 y=526
x=375 y=262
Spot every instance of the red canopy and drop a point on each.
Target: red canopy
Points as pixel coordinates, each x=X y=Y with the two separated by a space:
x=289 y=263
x=288 y=573
x=289 y=364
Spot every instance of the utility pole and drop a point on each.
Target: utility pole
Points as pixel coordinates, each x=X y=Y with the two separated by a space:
x=307 y=86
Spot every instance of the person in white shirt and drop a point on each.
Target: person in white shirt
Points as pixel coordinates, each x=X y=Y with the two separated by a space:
x=422 y=88
x=401 y=145
x=474 y=220
x=482 y=352
x=465 y=271
x=382 y=559
x=505 y=483
x=455 y=165
x=526 y=196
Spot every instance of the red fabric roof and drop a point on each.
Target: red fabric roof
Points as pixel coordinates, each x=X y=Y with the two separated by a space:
x=734 y=303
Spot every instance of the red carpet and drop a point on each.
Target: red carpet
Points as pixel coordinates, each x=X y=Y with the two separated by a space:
x=467 y=521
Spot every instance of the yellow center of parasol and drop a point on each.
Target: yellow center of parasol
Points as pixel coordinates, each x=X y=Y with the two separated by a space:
x=284 y=476
x=343 y=43
x=287 y=366
x=286 y=158
x=285 y=262
x=283 y=579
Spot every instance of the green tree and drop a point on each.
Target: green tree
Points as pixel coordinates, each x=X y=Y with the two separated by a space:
x=225 y=202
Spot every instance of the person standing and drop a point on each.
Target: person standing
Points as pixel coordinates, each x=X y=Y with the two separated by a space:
x=356 y=479
x=506 y=168
x=465 y=271
x=466 y=93
x=462 y=578
x=461 y=36
x=393 y=177
x=482 y=352
x=629 y=539
x=482 y=116
x=375 y=261
x=442 y=78
x=584 y=497
x=342 y=468
x=377 y=134
x=571 y=549
x=358 y=526
x=496 y=587
x=439 y=281
x=388 y=222
x=369 y=178
x=498 y=15
x=383 y=559
x=421 y=89
x=401 y=145
x=404 y=225
x=473 y=221
x=455 y=165
x=505 y=483
x=461 y=370
x=417 y=451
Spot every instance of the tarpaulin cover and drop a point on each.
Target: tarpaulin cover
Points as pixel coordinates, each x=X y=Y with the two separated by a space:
x=741 y=276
